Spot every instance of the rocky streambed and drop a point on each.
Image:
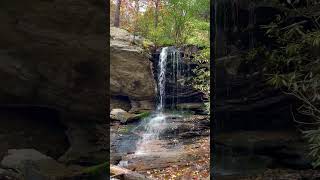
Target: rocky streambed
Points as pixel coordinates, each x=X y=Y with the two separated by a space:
x=182 y=150
x=278 y=154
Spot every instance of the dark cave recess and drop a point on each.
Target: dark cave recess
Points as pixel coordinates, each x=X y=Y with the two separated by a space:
x=35 y=127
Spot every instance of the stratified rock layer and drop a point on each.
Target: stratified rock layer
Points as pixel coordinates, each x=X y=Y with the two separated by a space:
x=132 y=85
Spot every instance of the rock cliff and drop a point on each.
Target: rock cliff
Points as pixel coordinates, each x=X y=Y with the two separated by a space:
x=132 y=85
x=54 y=66
x=244 y=100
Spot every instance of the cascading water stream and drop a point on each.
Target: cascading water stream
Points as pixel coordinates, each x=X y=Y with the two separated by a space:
x=162 y=78
x=157 y=123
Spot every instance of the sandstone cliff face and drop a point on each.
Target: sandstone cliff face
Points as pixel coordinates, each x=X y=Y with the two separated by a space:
x=53 y=55
x=132 y=85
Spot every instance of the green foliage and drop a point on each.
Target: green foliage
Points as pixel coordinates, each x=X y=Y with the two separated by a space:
x=313 y=137
x=207 y=105
x=294 y=67
x=252 y=55
x=97 y=170
x=143 y=115
x=180 y=22
x=202 y=79
x=146 y=43
x=198 y=33
x=313 y=39
x=124 y=130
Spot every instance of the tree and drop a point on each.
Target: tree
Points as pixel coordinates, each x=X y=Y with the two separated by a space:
x=136 y=17
x=117 y=14
x=156 y=14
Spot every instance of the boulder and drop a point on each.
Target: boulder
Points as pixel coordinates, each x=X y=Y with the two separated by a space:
x=130 y=73
x=120 y=115
x=33 y=165
x=126 y=117
x=16 y=156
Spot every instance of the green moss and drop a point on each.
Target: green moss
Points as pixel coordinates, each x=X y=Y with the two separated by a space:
x=97 y=169
x=123 y=130
x=143 y=115
x=146 y=43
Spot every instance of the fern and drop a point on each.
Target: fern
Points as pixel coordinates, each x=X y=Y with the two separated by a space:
x=313 y=137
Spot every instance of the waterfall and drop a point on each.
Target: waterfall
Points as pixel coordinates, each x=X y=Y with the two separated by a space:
x=168 y=56
x=157 y=123
x=162 y=78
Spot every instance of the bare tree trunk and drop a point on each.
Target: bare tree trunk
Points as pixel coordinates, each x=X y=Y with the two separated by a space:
x=137 y=6
x=136 y=19
x=117 y=14
x=136 y=14
x=156 y=14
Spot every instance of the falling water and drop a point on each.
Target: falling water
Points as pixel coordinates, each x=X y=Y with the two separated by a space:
x=157 y=123
x=162 y=78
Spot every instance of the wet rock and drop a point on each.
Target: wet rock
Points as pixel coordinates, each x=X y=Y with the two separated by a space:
x=186 y=127
x=195 y=107
x=286 y=149
x=228 y=164
x=115 y=158
x=178 y=87
x=126 y=117
x=286 y=174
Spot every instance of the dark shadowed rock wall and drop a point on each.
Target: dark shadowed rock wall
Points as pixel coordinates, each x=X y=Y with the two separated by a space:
x=53 y=55
x=179 y=90
x=244 y=100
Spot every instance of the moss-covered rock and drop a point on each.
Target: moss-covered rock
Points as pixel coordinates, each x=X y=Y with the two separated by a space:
x=142 y=115
x=96 y=172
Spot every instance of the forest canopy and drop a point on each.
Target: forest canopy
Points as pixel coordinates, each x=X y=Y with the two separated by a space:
x=165 y=22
